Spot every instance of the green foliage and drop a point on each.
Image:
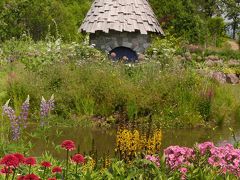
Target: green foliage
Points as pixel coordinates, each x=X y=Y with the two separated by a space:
x=182 y=18
x=85 y=84
x=216 y=27
x=232 y=12
x=163 y=50
x=39 y=17
x=225 y=54
x=189 y=19
x=35 y=56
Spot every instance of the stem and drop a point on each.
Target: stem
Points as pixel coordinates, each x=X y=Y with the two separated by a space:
x=14 y=172
x=66 y=173
x=6 y=170
x=6 y=177
x=76 y=168
x=44 y=173
x=29 y=171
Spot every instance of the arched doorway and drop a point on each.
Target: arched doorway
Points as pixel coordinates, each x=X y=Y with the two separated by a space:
x=123 y=53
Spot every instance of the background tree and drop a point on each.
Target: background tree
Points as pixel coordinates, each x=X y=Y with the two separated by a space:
x=36 y=16
x=208 y=8
x=232 y=8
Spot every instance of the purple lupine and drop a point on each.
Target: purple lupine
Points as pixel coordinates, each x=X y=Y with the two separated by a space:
x=24 y=112
x=14 y=121
x=45 y=108
x=43 y=111
x=51 y=103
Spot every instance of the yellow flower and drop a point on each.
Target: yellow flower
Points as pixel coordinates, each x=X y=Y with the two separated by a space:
x=132 y=143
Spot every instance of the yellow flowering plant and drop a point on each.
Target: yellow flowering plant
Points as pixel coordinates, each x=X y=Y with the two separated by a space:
x=132 y=143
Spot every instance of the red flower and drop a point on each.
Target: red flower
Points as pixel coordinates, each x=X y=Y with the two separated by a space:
x=57 y=169
x=20 y=157
x=20 y=177
x=30 y=161
x=31 y=177
x=46 y=164
x=10 y=161
x=78 y=159
x=68 y=145
x=6 y=170
x=52 y=179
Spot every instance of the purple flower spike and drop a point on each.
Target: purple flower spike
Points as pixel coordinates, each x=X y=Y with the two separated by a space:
x=51 y=103
x=45 y=108
x=24 y=112
x=14 y=121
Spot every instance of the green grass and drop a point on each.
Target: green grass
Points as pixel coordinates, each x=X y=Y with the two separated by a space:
x=86 y=84
x=133 y=93
x=3 y=79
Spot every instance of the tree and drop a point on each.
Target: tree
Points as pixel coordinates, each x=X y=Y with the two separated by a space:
x=233 y=14
x=36 y=16
x=208 y=8
x=216 y=28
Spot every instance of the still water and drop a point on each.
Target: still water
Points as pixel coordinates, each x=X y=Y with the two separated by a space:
x=104 y=139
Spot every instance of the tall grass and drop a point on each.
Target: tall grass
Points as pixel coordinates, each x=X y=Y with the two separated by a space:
x=171 y=96
x=85 y=84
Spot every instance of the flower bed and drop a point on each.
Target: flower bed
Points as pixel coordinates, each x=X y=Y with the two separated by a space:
x=202 y=161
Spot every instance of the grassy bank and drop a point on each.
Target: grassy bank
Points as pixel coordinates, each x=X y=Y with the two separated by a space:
x=88 y=86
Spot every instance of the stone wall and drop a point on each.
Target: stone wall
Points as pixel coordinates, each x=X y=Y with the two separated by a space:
x=108 y=41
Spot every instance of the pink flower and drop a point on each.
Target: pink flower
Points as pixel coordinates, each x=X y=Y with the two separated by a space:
x=10 y=161
x=177 y=156
x=46 y=164
x=20 y=157
x=6 y=170
x=20 y=177
x=204 y=147
x=78 y=159
x=31 y=177
x=30 y=161
x=68 y=145
x=153 y=159
x=183 y=170
x=57 y=169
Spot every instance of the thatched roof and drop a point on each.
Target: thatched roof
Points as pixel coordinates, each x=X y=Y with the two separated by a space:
x=121 y=15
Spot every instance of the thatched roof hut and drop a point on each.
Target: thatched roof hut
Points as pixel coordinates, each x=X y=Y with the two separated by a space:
x=121 y=23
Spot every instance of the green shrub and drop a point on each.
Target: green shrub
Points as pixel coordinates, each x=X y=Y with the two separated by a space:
x=39 y=17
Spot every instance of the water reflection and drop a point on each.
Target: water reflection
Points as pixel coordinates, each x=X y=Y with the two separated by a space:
x=104 y=140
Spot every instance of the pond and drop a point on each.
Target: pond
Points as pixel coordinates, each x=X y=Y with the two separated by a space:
x=104 y=139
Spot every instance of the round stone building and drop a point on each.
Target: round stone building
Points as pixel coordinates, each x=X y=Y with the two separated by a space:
x=121 y=27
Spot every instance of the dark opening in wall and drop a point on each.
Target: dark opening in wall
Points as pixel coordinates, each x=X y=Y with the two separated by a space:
x=124 y=53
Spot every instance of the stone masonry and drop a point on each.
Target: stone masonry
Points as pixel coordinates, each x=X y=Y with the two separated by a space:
x=108 y=41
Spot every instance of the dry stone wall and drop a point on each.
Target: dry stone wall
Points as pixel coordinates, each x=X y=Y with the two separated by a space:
x=108 y=41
